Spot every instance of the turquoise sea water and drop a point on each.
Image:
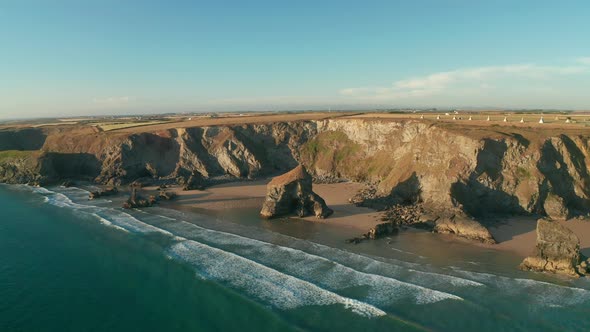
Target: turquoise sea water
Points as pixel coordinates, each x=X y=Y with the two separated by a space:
x=66 y=265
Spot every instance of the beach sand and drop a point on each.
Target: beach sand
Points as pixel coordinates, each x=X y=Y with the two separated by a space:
x=516 y=234
x=251 y=194
x=519 y=234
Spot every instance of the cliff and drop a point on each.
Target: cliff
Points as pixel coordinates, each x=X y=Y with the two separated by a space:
x=479 y=171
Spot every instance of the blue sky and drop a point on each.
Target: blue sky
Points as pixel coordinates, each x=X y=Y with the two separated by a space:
x=115 y=57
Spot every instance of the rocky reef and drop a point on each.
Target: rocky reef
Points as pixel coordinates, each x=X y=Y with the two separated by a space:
x=557 y=251
x=291 y=193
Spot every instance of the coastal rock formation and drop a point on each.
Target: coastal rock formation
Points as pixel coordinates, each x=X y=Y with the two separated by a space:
x=555 y=207
x=136 y=201
x=383 y=229
x=166 y=195
x=194 y=182
x=101 y=193
x=480 y=170
x=461 y=225
x=291 y=193
x=557 y=251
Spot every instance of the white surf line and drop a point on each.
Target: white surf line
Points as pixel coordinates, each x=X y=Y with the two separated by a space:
x=371 y=264
x=107 y=216
x=280 y=290
x=544 y=293
x=317 y=269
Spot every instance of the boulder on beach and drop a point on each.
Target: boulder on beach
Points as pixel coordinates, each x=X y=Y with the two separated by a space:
x=381 y=230
x=166 y=195
x=557 y=251
x=291 y=193
x=461 y=225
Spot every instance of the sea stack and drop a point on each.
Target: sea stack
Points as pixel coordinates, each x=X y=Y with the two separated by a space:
x=557 y=251
x=291 y=193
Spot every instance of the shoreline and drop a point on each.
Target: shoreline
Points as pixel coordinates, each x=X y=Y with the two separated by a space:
x=516 y=235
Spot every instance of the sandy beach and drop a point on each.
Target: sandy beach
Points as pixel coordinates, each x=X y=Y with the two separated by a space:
x=243 y=195
x=516 y=234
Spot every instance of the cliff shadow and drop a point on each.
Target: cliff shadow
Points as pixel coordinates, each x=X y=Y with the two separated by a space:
x=149 y=155
x=578 y=159
x=406 y=192
x=481 y=195
x=23 y=139
x=558 y=180
x=274 y=154
x=194 y=144
x=69 y=165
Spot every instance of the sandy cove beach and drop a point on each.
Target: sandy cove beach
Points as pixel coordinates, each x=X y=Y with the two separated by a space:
x=251 y=195
x=515 y=234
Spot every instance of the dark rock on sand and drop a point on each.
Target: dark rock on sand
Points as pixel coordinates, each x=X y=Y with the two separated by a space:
x=166 y=195
x=381 y=230
x=463 y=226
x=196 y=181
x=106 y=192
x=291 y=193
x=557 y=251
x=136 y=201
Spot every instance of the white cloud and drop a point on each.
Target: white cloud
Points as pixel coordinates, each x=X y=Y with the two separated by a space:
x=467 y=79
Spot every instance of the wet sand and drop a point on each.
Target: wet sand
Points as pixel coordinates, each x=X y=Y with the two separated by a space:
x=250 y=195
x=516 y=235
x=519 y=234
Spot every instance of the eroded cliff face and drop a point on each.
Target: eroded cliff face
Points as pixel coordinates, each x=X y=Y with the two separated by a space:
x=245 y=151
x=480 y=171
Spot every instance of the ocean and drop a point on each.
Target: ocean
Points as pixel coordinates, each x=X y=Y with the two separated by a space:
x=69 y=264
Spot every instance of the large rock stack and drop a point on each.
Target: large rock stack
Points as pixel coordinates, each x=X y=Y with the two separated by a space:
x=291 y=193
x=557 y=251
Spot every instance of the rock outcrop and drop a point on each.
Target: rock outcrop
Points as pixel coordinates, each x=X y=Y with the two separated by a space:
x=166 y=195
x=194 y=182
x=557 y=251
x=102 y=193
x=381 y=230
x=136 y=201
x=463 y=226
x=291 y=193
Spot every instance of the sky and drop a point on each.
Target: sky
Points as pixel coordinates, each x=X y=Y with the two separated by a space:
x=68 y=58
